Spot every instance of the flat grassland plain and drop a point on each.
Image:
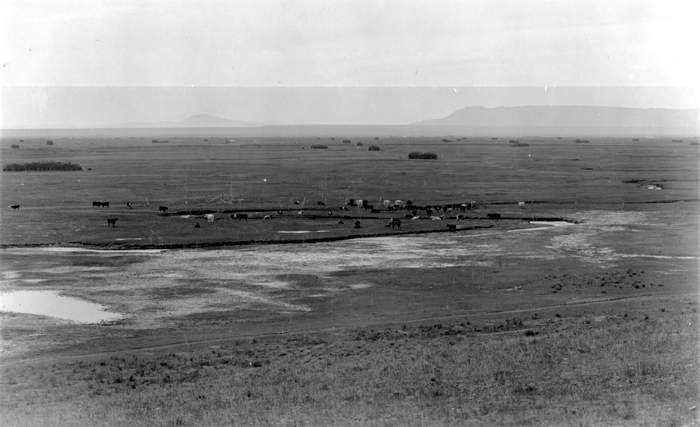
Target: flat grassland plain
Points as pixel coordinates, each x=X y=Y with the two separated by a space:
x=299 y=320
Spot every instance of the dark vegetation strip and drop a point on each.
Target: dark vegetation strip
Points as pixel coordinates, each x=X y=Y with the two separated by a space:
x=42 y=166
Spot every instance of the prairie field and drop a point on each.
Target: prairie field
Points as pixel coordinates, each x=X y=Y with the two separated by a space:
x=575 y=305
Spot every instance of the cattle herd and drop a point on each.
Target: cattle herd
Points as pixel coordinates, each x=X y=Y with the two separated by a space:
x=412 y=211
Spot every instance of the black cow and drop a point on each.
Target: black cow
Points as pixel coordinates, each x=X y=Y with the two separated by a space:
x=162 y=208
x=366 y=206
x=129 y=205
x=452 y=227
x=340 y=222
x=240 y=216
x=112 y=222
x=14 y=207
x=320 y=203
x=374 y=211
x=105 y=204
x=394 y=222
x=494 y=216
x=96 y=204
x=408 y=216
x=357 y=224
x=197 y=225
x=429 y=212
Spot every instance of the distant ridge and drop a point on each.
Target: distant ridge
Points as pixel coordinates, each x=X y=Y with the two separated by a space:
x=196 y=121
x=570 y=117
x=207 y=121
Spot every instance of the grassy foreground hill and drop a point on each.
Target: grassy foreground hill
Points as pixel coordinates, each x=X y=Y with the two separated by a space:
x=633 y=368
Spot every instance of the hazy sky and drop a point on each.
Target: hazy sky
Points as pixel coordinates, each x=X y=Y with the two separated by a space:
x=243 y=44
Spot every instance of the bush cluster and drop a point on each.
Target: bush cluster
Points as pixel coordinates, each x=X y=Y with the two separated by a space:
x=419 y=155
x=374 y=148
x=319 y=146
x=42 y=166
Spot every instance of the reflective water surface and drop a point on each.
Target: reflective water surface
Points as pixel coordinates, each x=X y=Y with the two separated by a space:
x=50 y=303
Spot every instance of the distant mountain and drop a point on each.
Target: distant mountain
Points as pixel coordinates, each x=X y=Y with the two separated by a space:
x=594 y=118
x=207 y=121
x=197 y=121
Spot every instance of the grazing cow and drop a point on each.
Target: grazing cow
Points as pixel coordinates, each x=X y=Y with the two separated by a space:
x=105 y=204
x=279 y=212
x=320 y=203
x=416 y=217
x=112 y=222
x=429 y=212
x=459 y=217
x=366 y=206
x=414 y=212
x=452 y=227
x=209 y=217
x=343 y=208
x=357 y=224
x=374 y=211
x=521 y=205
x=463 y=207
x=162 y=208
x=129 y=205
x=394 y=222
x=386 y=203
x=300 y=213
x=435 y=218
x=267 y=217
x=398 y=202
x=329 y=213
x=240 y=216
x=197 y=225
x=96 y=204
x=360 y=202
x=494 y=216
x=14 y=207
x=340 y=222
x=408 y=216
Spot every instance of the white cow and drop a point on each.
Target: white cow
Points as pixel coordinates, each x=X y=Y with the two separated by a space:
x=267 y=217
x=387 y=203
x=521 y=205
x=398 y=202
x=209 y=217
x=435 y=218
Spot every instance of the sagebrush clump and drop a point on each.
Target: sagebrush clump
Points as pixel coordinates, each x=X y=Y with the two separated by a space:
x=419 y=155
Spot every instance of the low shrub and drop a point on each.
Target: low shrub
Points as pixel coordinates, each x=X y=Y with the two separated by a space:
x=15 y=146
x=347 y=141
x=359 y=144
x=374 y=148
x=319 y=146
x=419 y=155
x=42 y=166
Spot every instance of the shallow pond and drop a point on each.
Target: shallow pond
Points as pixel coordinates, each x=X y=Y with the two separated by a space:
x=50 y=303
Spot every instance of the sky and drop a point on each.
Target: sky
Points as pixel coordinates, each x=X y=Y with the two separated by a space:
x=171 y=45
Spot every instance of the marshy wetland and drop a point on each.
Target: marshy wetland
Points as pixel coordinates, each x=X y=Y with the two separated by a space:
x=578 y=307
